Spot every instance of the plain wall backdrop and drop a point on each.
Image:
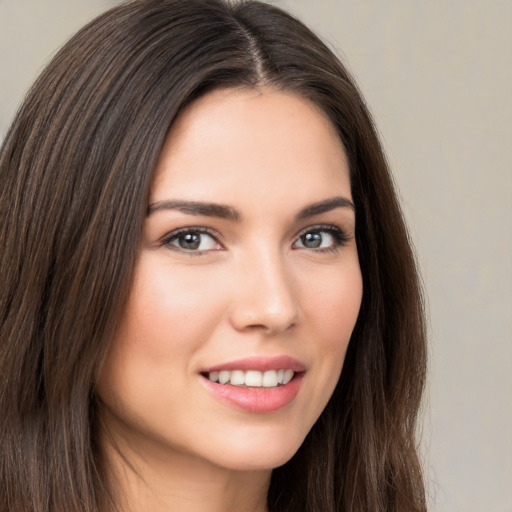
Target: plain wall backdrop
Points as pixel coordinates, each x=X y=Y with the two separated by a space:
x=437 y=74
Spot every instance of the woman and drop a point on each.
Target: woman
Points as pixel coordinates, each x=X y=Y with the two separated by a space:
x=196 y=218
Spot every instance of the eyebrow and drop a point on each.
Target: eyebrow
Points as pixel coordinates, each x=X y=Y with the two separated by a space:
x=196 y=208
x=227 y=212
x=325 y=206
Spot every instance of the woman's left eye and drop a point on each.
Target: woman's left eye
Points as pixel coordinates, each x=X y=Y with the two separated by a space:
x=320 y=239
x=192 y=240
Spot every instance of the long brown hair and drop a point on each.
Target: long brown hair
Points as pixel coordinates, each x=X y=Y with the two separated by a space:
x=75 y=172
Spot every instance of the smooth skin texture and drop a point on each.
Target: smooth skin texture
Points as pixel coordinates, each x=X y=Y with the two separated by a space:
x=265 y=276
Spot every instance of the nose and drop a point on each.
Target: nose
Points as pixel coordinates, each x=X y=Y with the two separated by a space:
x=265 y=297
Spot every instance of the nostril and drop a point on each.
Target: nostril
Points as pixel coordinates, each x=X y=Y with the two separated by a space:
x=271 y=326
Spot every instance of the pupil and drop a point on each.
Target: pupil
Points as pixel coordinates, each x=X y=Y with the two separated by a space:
x=312 y=240
x=190 y=241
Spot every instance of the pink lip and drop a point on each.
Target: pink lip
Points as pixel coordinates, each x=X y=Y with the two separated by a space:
x=259 y=363
x=256 y=400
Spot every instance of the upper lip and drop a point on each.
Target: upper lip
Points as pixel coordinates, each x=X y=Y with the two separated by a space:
x=260 y=363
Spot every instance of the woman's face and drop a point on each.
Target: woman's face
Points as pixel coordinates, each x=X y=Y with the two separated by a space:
x=248 y=276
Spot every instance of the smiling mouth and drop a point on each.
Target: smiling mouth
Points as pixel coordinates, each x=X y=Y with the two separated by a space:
x=251 y=378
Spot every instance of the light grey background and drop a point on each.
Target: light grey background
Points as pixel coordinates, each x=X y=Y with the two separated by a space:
x=437 y=75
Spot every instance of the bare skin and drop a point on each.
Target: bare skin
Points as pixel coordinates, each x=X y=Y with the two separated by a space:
x=248 y=258
x=158 y=486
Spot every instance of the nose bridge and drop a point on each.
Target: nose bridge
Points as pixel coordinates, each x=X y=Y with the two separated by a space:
x=265 y=295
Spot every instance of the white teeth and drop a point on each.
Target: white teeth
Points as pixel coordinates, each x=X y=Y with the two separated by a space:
x=237 y=378
x=252 y=378
x=288 y=376
x=224 y=376
x=270 y=379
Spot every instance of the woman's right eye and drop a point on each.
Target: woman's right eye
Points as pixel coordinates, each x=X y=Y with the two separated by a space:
x=192 y=240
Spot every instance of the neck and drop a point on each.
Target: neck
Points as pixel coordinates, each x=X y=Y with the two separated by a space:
x=144 y=481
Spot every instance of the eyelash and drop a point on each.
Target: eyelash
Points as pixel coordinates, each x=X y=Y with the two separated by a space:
x=340 y=238
x=174 y=235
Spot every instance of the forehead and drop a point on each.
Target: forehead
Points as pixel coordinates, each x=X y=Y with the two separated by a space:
x=264 y=140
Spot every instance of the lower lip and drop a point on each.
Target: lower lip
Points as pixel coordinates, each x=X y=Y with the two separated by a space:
x=256 y=400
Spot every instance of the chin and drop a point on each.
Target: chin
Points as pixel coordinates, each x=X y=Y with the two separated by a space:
x=257 y=452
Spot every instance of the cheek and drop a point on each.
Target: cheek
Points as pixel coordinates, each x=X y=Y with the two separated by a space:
x=334 y=306
x=330 y=307
x=172 y=311
x=165 y=323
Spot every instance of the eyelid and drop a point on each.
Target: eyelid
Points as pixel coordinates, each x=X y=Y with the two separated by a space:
x=172 y=235
x=340 y=235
